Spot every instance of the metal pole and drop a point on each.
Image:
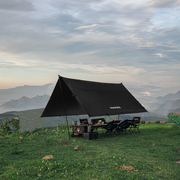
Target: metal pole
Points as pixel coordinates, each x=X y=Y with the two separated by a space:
x=64 y=105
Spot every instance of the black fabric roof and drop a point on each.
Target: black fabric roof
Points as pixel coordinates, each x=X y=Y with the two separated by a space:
x=78 y=97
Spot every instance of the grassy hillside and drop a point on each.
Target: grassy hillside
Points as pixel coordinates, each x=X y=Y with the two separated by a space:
x=30 y=119
x=153 y=153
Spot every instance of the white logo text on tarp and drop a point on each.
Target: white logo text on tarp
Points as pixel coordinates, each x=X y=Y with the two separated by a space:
x=115 y=107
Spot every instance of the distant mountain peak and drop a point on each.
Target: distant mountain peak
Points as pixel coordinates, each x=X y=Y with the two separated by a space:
x=25 y=103
x=30 y=91
x=178 y=93
x=168 y=103
x=27 y=86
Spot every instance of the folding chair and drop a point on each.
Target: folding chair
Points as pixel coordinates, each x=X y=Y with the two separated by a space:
x=135 y=124
x=122 y=126
x=110 y=128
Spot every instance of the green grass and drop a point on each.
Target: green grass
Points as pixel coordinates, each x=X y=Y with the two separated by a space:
x=152 y=152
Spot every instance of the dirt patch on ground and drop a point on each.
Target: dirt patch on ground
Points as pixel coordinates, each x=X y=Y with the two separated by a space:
x=178 y=162
x=172 y=124
x=64 y=143
x=5 y=138
x=129 y=168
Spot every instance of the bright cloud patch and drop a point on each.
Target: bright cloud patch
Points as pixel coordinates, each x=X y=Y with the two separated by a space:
x=90 y=27
x=160 y=55
x=146 y=93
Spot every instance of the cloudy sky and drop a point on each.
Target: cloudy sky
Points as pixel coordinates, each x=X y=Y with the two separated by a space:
x=136 y=42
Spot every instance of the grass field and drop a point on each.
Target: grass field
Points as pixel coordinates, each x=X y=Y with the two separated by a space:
x=153 y=153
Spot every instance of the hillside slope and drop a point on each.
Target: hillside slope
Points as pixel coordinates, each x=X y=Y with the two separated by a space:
x=31 y=119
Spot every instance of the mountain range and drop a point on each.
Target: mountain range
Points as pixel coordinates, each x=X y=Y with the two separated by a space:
x=34 y=97
x=169 y=103
x=28 y=91
x=25 y=103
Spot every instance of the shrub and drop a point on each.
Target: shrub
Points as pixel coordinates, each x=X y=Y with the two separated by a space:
x=6 y=130
x=174 y=118
x=142 y=122
x=157 y=122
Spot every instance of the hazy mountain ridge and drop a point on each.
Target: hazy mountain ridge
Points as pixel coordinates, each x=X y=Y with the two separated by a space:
x=169 y=103
x=25 y=103
x=177 y=111
x=30 y=97
x=28 y=91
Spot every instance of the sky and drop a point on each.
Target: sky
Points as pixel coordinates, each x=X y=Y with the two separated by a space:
x=136 y=42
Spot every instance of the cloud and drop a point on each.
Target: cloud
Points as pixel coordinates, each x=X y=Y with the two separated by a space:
x=160 y=55
x=164 y=3
x=16 y=5
x=146 y=93
x=134 y=42
x=89 y=27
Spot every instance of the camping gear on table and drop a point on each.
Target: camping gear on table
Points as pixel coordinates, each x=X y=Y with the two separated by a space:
x=90 y=128
x=98 y=121
x=79 y=129
x=83 y=121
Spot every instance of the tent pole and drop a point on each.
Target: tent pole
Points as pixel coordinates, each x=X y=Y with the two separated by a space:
x=64 y=106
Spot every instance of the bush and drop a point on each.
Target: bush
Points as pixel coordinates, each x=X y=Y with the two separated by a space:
x=6 y=130
x=157 y=122
x=174 y=118
x=142 y=122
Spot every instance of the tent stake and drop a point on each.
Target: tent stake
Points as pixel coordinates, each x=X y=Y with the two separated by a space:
x=64 y=106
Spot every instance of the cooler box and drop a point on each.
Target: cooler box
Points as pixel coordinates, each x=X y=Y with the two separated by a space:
x=91 y=136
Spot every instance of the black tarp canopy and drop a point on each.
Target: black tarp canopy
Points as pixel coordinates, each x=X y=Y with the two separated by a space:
x=78 y=97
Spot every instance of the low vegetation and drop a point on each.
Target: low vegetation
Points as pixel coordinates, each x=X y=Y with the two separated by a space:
x=154 y=153
x=174 y=118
